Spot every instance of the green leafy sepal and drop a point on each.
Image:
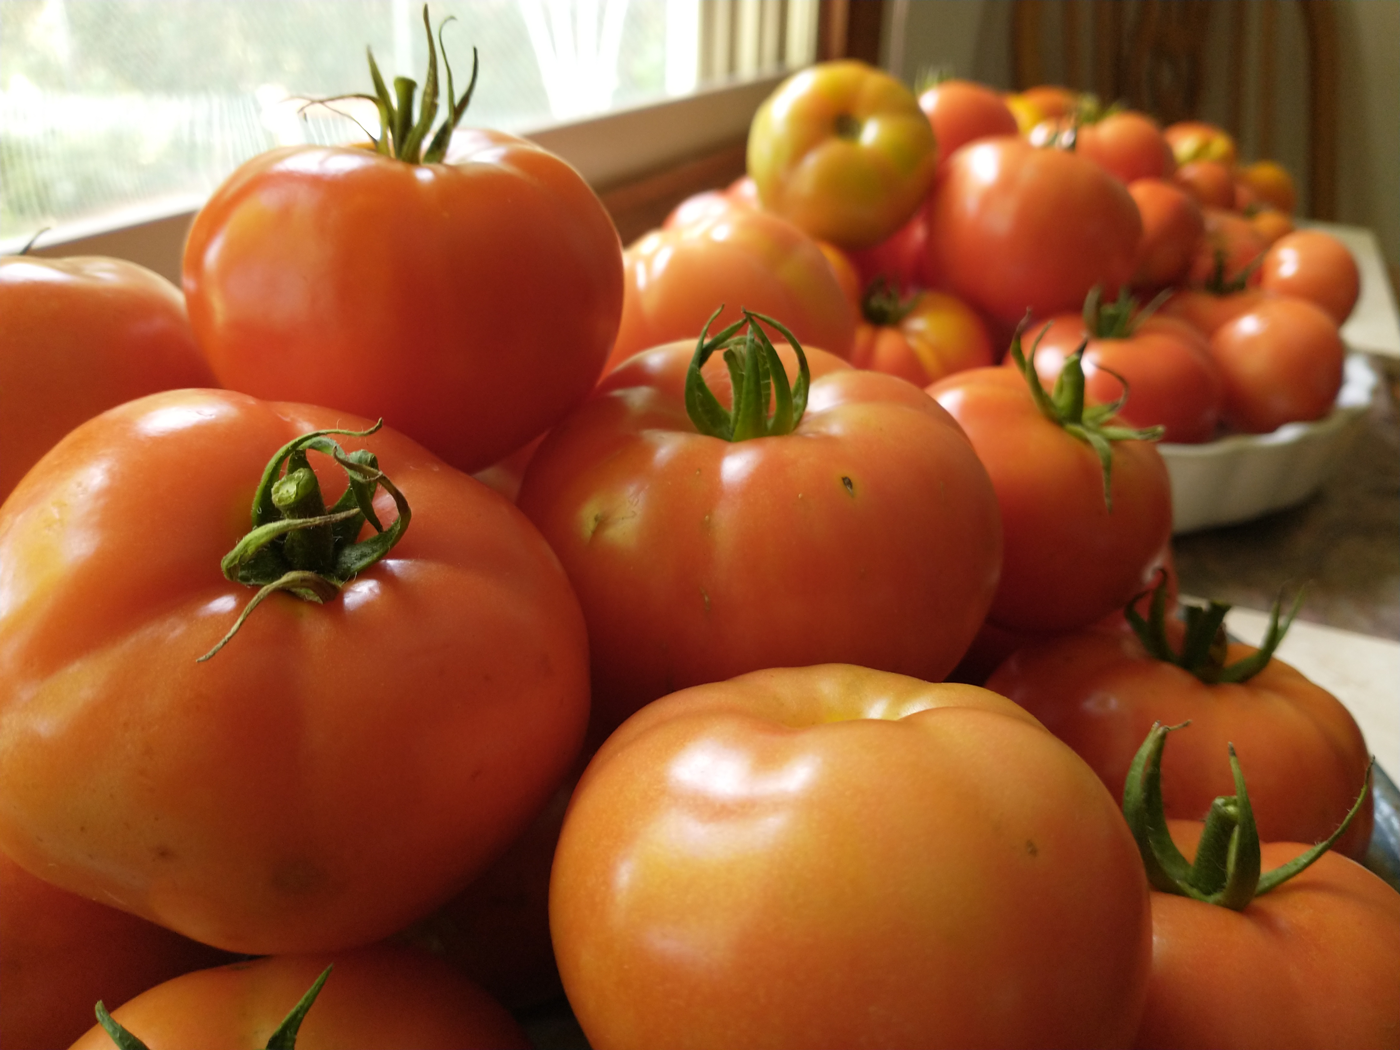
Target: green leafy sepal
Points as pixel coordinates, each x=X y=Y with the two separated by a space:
x=756 y=376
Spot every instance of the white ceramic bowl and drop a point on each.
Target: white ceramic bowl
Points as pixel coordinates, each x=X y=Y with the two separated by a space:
x=1245 y=476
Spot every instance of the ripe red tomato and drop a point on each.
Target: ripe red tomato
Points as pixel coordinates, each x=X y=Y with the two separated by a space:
x=1271 y=225
x=742 y=259
x=1015 y=228
x=1271 y=184
x=1126 y=144
x=1313 y=962
x=1209 y=181
x=1172 y=227
x=60 y=953
x=1313 y=265
x=1068 y=558
x=1282 y=362
x=843 y=151
x=929 y=336
x=1228 y=255
x=835 y=856
x=868 y=533
x=385 y=996
x=1193 y=140
x=900 y=259
x=1207 y=311
x=962 y=111
x=1100 y=692
x=429 y=709
x=470 y=302
x=78 y=336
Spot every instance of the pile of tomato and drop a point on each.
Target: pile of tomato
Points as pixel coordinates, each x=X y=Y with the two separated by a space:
x=753 y=634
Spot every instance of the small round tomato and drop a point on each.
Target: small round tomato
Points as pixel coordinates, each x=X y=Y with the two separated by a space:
x=835 y=856
x=901 y=259
x=1079 y=531
x=1126 y=144
x=859 y=528
x=1172 y=227
x=1209 y=181
x=1271 y=225
x=1271 y=183
x=1281 y=362
x=844 y=151
x=742 y=259
x=78 y=336
x=428 y=706
x=1207 y=311
x=1193 y=140
x=1229 y=254
x=1313 y=265
x=390 y=997
x=1015 y=228
x=962 y=111
x=922 y=339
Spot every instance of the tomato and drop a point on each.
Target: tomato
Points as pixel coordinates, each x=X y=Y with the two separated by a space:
x=77 y=336
x=1172 y=380
x=1207 y=311
x=1014 y=228
x=470 y=302
x=1271 y=225
x=1042 y=102
x=1271 y=183
x=60 y=953
x=386 y=997
x=1071 y=553
x=1172 y=227
x=1313 y=265
x=429 y=709
x=1193 y=140
x=1209 y=181
x=1126 y=144
x=962 y=111
x=843 y=150
x=922 y=339
x=847 y=276
x=743 y=259
x=1229 y=254
x=1314 y=962
x=834 y=856
x=1282 y=362
x=865 y=533
x=1100 y=692
x=900 y=259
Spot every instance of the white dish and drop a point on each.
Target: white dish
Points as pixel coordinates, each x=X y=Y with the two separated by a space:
x=1245 y=476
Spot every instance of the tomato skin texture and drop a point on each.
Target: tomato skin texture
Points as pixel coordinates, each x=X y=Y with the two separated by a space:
x=804 y=857
x=852 y=188
x=962 y=111
x=1312 y=963
x=740 y=259
x=1172 y=226
x=77 y=336
x=1014 y=228
x=1066 y=561
x=1302 y=753
x=434 y=324
x=384 y=996
x=1310 y=264
x=1282 y=362
x=939 y=336
x=263 y=773
x=60 y=953
x=868 y=535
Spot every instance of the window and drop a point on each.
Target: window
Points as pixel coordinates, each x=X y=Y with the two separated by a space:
x=114 y=110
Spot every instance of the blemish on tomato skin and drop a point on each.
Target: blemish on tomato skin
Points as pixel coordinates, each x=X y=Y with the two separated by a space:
x=1032 y=849
x=706 y=598
x=850 y=485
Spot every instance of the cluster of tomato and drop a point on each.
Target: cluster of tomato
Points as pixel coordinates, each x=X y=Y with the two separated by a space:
x=685 y=719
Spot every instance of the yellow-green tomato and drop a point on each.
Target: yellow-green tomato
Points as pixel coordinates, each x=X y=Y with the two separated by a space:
x=843 y=150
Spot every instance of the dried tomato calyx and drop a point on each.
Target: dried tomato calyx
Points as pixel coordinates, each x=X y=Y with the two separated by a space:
x=756 y=376
x=1065 y=406
x=297 y=544
x=1204 y=648
x=1226 y=871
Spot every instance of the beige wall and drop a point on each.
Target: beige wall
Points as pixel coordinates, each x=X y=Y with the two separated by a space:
x=972 y=38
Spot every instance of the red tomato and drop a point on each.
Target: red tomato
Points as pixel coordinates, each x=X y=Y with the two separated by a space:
x=1014 y=228
x=60 y=953
x=834 y=856
x=1271 y=225
x=430 y=709
x=1100 y=692
x=1193 y=140
x=843 y=151
x=471 y=303
x=1271 y=184
x=1313 y=265
x=1314 y=962
x=867 y=534
x=1209 y=181
x=1172 y=227
x=1126 y=144
x=389 y=997
x=846 y=274
x=674 y=280
x=80 y=335
x=931 y=336
x=962 y=111
x=900 y=259
x=1172 y=380
x=1228 y=256
x=1282 y=362
x=1067 y=558
x=1207 y=311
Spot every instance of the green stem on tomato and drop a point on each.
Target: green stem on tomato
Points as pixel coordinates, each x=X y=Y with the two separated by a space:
x=1227 y=870
x=882 y=304
x=756 y=376
x=298 y=545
